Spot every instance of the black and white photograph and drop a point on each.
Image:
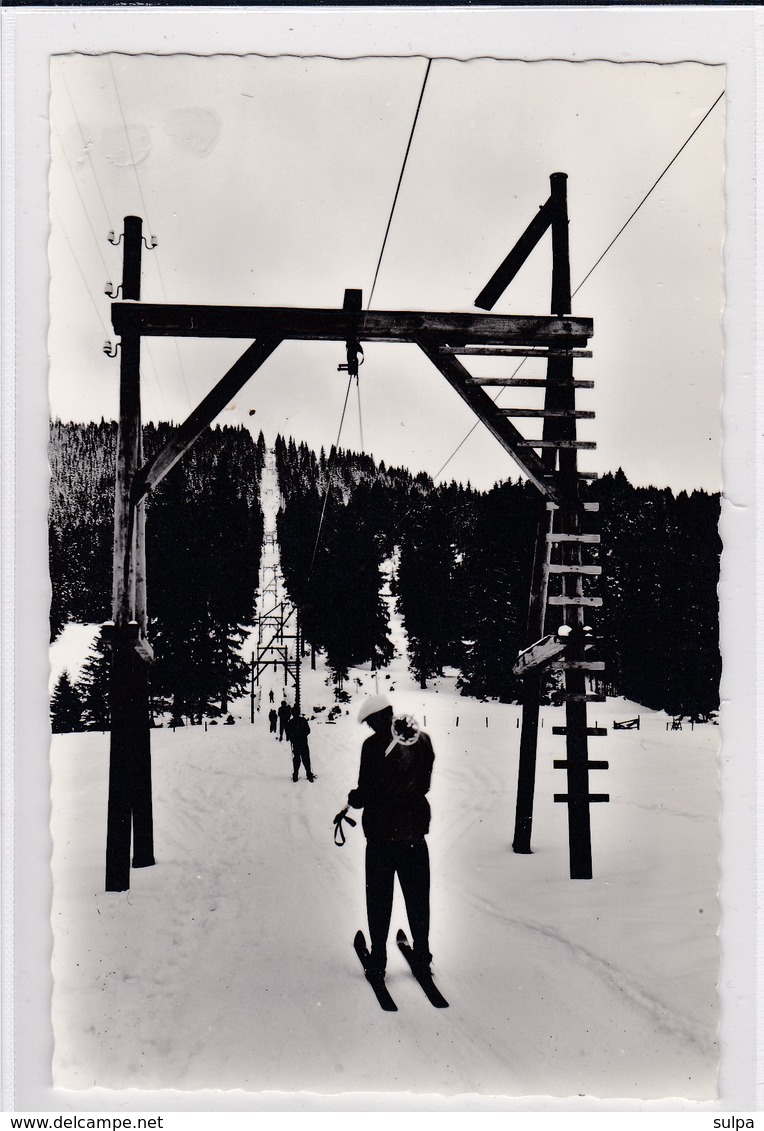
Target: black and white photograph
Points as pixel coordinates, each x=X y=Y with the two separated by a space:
x=385 y=487
x=391 y=516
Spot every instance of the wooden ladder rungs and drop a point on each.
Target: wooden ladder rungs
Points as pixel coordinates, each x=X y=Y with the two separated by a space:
x=592 y=539
x=514 y=351
x=595 y=732
x=590 y=445
x=593 y=507
x=589 y=797
x=561 y=414
x=562 y=764
x=529 y=382
x=589 y=570
x=589 y=602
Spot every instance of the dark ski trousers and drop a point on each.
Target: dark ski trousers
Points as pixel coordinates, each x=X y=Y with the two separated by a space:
x=410 y=860
x=302 y=755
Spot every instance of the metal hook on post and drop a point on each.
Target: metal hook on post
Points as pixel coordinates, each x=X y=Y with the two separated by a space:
x=150 y=243
x=354 y=351
x=110 y=348
x=110 y=290
x=353 y=301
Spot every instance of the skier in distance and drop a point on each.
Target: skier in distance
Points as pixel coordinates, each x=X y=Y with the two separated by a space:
x=297 y=731
x=284 y=715
x=393 y=780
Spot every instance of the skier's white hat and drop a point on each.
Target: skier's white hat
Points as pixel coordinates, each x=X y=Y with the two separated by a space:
x=372 y=705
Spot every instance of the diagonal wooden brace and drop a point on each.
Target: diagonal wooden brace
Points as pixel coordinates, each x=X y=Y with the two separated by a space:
x=202 y=416
x=493 y=418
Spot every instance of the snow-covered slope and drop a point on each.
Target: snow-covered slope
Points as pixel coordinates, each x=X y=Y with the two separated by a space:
x=229 y=965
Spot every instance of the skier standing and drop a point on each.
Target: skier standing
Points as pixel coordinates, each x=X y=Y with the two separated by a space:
x=392 y=783
x=284 y=714
x=273 y=719
x=298 y=730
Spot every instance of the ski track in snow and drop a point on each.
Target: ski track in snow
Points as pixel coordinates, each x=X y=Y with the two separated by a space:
x=663 y=1017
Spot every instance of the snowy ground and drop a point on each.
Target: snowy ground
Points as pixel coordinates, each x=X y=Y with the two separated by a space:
x=230 y=965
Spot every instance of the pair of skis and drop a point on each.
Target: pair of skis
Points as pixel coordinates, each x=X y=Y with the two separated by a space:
x=377 y=981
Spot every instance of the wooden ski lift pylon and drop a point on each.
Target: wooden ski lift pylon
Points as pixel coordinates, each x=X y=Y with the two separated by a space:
x=560 y=536
x=557 y=338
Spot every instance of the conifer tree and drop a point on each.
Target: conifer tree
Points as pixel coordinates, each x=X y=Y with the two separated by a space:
x=94 y=687
x=65 y=706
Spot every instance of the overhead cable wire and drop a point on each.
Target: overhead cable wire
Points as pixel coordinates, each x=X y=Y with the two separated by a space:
x=329 y=477
x=81 y=271
x=360 y=418
x=146 y=214
x=86 y=211
x=596 y=264
x=647 y=194
x=86 y=147
x=390 y=220
x=400 y=181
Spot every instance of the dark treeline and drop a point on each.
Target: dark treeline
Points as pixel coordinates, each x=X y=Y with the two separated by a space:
x=204 y=530
x=336 y=579
x=464 y=561
x=660 y=617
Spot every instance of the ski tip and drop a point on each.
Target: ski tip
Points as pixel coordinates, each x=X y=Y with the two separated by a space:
x=359 y=940
x=401 y=937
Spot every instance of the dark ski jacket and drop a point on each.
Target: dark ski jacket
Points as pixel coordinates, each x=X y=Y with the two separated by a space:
x=297 y=731
x=391 y=788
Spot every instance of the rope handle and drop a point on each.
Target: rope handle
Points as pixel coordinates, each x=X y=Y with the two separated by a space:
x=339 y=832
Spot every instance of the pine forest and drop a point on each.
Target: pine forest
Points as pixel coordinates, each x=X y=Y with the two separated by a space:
x=458 y=562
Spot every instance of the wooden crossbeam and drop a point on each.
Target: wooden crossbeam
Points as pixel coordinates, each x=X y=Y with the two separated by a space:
x=587 y=538
x=557 y=413
x=589 y=570
x=516 y=351
x=594 y=732
x=571 y=697
x=581 y=665
x=594 y=797
x=525 y=382
x=303 y=324
x=591 y=602
x=593 y=507
x=565 y=444
x=562 y=764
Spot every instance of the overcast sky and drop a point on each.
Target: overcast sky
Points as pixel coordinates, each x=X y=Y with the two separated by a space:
x=270 y=181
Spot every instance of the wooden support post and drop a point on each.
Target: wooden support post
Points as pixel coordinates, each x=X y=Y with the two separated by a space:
x=130 y=806
x=576 y=724
x=559 y=371
x=526 y=770
x=143 y=809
